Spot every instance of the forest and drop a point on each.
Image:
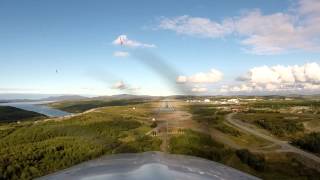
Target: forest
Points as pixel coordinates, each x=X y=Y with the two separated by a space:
x=12 y=114
x=309 y=142
x=284 y=125
x=36 y=149
x=213 y=117
x=263 y=165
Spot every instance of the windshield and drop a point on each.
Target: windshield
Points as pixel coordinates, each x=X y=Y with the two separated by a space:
x=141 y=89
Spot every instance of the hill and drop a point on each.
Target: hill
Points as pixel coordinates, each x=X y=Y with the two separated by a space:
x=12 y=114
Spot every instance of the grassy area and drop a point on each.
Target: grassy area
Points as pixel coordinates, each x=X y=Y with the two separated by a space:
x=84 y=105
x=213 y=117
x=309 y=142
x=283 y=166
x=266 y=166
x=280 y=124
x=12 y=114
x=280 y=128
x=257 y=162
x=36 y=149
x=198 y=144
x=277 y=104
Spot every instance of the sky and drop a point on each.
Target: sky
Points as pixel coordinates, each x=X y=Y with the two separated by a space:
x=202 y=47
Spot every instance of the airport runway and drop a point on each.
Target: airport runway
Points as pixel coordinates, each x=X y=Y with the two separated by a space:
x=164 y=122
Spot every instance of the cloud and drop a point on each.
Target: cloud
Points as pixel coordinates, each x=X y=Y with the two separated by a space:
x=199 y=89
x=125 y=41
x=307 y=73
x=182 y=79
x=309 y=7
x=279 y=78
x=197 y=26
x=295 y=29
x=208 y=77
x=277 y=33
x=119 y=85
x=121 y=54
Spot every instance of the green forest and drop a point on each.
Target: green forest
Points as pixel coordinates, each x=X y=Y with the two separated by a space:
x=12 y=114
x=278 y=124
x=309 y=142
x=212 y=117
x=198 y=144
x=265 y=166
x=36 y=149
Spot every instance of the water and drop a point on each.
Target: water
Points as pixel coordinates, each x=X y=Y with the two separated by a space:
x=39 y=107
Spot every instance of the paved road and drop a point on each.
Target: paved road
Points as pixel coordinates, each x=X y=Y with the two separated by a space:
x=284 y=144
x=165 y=107
x=150 y=165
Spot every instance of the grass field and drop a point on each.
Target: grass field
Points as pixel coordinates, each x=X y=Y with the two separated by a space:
x=213 y=117
x=261 y=159
x=266 y=166
x=35 y=149
x=277 y=104
x=309 y=142
x=283 y=125
x=198 y=144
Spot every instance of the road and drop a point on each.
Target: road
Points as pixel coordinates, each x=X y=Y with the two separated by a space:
x=285 y=146
x=165 y=107
x=171 y=119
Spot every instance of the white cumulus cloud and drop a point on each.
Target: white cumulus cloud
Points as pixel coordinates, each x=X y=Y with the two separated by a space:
x=119 y=85
x=279 y=78
x=202 y=77
x=309 y=73
x=295 y=29
x=182 y=79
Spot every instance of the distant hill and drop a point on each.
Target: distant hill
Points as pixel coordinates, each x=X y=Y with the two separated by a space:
x=77 y=106
x=11 y=97
x=12 y=114
x=63 y=98
x=122 y=96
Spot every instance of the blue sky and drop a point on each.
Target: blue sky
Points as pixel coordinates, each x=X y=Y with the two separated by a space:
x=79 y=39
